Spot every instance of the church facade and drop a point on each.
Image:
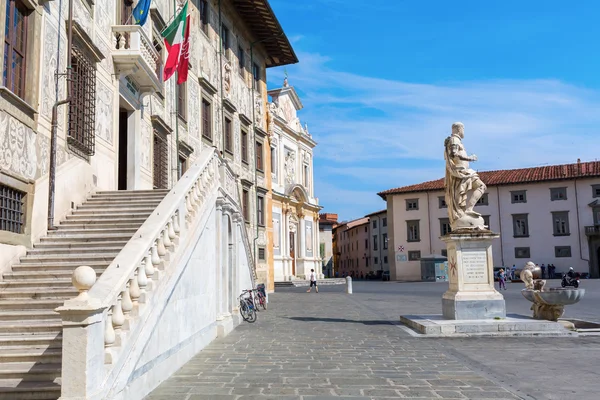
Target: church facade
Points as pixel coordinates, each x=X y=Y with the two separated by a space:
x=295 y=211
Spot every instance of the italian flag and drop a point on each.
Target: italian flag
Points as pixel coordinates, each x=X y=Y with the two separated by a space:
x=174 y=42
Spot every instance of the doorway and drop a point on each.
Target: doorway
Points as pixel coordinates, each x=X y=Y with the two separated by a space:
x=293 y=252
x=122 y=168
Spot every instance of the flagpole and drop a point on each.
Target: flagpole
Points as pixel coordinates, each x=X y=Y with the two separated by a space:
x=176 y=156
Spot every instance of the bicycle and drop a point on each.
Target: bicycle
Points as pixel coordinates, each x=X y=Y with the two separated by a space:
x=261 y=299
x=247 y=308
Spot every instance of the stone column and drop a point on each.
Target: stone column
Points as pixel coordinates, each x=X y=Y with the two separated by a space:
x=302 y=245
x=238 y=253
x=134 y=148
x=225 y=255
x=219 y=255
x=285 y=246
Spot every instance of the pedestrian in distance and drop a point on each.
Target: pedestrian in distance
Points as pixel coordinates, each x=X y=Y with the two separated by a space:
x=313 y=281
x=513 y=272
x=543 y=271
x=501 y=279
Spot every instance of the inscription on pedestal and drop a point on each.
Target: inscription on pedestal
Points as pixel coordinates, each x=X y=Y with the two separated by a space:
x=474 y=266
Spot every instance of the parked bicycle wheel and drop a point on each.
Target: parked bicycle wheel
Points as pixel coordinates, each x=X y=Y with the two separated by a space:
x=244 y=310
x=251 y=311
x=262 y=300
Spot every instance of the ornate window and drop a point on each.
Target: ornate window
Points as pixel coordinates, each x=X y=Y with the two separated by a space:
x=518 y=196
x=483 y=200
x=560 y=223
x=445 y=226
x=412 y=204
x=82 y=108
x=520 y=225
x=260 y=210
x=244 y=146
x=160 y=161
x=241 y=60
x=206 y=119
x=256 y=76
x=442 y=202
x=181 y=100
x=225 y=41
x=558 y=193
x=15 y=47
x=259 y=156
x=245 y=204
x=413 y=234
x=228 y=136
x=204 y=8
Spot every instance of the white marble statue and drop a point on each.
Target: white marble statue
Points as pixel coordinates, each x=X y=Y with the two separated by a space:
x=463 y=185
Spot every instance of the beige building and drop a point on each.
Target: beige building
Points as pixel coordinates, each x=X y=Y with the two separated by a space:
x=202 y=145
x=379 y=242
x=352 y=241
x=295 y=211
x=550 y=215
x=327 y=222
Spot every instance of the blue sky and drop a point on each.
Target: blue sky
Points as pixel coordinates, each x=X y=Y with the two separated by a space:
x=382 y=82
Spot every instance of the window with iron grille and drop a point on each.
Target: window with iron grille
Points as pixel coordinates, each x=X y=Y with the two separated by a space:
x=244 y=146
x=82 y=108
x=228 y=136
x=261 y=254
x=206 y=119
x=414 y=255
x=245 y=205
x=12 y=218
x=15 y=47
x=161 y=161
x=259 y=156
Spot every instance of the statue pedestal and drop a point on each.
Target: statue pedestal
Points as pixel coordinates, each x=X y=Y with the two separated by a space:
x=471 y=294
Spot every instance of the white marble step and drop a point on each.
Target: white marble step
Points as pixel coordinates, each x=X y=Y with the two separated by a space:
x=88 y=237
x=61 y=250
x=23 y=315
x=30 y=341
x=38 y=355
x=39 y=326
x=131 y=192
x=75 y=257
x=30 y=304
x=17 y=389
x=35 y=283
x=81 y=216
x=43 y=271
x=76 y=246
x=37 y=293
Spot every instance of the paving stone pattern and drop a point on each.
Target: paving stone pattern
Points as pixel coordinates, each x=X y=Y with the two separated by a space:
x=325 y=346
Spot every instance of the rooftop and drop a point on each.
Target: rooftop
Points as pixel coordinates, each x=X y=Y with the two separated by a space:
x=513 y=177
x=376 y=213
x=263 y=23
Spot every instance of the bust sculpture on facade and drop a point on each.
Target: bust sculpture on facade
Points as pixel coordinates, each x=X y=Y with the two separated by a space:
x=462 y=185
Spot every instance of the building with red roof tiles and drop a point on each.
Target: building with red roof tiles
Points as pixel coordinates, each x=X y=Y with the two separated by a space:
x=549 y=215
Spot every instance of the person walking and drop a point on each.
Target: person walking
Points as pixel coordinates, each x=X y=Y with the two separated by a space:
x=543 y=271
x=513 y=272
x=313 y=281
x=501 y=279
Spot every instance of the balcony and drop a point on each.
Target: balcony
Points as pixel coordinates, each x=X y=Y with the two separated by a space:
x=135 y=57
x=592 y=230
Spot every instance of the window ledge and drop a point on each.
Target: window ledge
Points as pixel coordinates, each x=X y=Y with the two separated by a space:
x=413 y=241
x=562 y=234
x=18 y=102
x=521 y=236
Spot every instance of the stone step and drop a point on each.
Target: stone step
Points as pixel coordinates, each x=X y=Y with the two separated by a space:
x=101 y=225
x=40 y=326
x=107 y=216
x=131 y=192
x=38 y=293
x=115 y=203
x=115 y=211
x=39 y=356
x=92 y=237
x=35 y=283
x=103 y=221
x=15 y=389
x=30 y=304
x=69 y=231
x=62 y=250
x=23 y=315
x=79 y=245
x=30 y=341
x=72 y=257
x=46 y=272
x=30 y=371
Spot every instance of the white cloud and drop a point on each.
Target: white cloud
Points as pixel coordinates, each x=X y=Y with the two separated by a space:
x=372 y=129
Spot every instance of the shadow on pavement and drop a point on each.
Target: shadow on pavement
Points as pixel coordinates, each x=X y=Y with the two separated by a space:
x=315 y=319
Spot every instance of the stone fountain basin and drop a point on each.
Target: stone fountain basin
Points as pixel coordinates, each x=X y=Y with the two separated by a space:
x=554 y=296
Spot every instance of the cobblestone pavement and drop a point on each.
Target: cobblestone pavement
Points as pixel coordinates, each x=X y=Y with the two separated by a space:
x=328 y=346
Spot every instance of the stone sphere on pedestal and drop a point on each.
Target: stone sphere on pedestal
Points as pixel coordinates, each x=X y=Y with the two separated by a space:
x=83 y=279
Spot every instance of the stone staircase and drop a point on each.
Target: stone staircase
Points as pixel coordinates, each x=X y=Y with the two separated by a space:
x=30 y=330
